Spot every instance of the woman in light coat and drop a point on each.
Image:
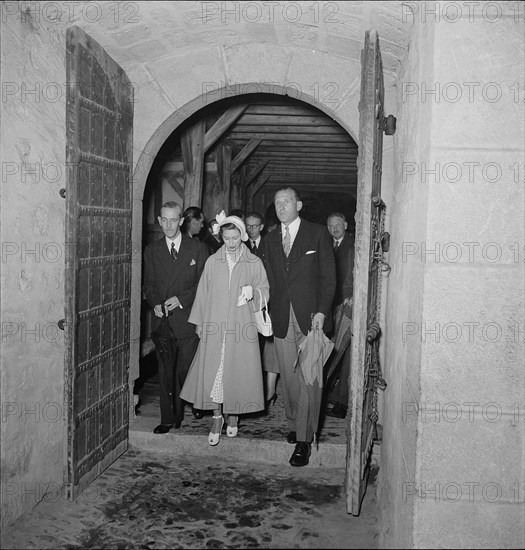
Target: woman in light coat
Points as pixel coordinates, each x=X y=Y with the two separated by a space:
x=226 y=374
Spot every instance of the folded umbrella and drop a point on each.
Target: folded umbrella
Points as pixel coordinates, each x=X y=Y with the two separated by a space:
x=313 y=353
x=165 y=346
x=343 y=336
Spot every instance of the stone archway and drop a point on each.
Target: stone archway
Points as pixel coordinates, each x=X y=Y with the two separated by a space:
x=145 y=162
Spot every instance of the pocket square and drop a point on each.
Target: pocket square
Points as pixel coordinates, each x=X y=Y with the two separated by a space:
x=311 y=252
x=193 y=262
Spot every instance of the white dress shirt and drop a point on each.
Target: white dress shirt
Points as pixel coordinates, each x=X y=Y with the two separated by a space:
x=177 y=240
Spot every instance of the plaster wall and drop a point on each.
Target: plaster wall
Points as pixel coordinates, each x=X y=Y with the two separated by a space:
x=470 y=448
x=407 y=204
x=32 y=150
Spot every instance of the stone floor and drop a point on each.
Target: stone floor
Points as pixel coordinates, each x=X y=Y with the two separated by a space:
x=175 y=491
x=147 y=500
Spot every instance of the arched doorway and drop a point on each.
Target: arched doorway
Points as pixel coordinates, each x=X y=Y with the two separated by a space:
x=250 y=146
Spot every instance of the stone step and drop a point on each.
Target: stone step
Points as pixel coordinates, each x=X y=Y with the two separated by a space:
x=326 y=455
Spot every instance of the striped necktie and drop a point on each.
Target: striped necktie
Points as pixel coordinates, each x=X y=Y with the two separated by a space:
x=173 y=251
x=287 y=241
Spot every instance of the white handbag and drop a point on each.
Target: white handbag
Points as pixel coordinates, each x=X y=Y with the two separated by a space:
x=262 y=318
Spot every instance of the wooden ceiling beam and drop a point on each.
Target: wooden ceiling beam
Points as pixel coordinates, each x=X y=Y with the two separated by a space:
x=261 y=182
x=281 y=110
x=247 y=150
x=286 y=120
x=223 y=124
x=279 y=136
x=289 y=129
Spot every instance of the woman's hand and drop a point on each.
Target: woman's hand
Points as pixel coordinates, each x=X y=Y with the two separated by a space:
x=246 y=292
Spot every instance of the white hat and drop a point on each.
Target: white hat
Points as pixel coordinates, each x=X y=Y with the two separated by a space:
x=222 y=219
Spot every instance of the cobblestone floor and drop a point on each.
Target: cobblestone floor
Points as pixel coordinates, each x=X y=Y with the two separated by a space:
x=156 y=501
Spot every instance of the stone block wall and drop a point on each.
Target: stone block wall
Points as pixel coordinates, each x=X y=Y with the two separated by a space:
x=407 y=205
x=453 y=451
x=471 y=446
x=32 y=151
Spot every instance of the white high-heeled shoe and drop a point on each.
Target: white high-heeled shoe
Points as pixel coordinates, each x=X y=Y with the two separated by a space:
x=213 y=439
x=232 y=431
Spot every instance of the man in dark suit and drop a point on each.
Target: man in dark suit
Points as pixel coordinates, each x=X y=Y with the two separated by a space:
x=300 y=264
x=343 y=243
x=172 y=269
x=254 y=226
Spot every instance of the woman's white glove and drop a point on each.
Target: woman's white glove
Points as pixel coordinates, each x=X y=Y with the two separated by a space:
x=246 y=295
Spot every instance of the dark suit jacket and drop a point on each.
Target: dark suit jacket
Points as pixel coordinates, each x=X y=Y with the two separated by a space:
x=249 y=245
x=212 y=243
x=165 y=277
x=306 y=279
x=343 y=263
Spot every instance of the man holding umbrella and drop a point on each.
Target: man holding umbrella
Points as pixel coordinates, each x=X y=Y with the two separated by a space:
x=172 y=269
x=300 y=264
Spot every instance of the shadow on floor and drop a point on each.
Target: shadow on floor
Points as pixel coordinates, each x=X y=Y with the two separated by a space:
x=146 y=500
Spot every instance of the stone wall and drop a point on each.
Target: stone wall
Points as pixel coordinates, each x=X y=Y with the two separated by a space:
x=453 y=451
x=407 y=204
x=32 y=269
x=471 y=442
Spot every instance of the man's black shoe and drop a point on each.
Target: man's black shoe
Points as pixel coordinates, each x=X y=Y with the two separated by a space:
x=301 y=454
x=337 y=411
x=165 y=428
x=292 y=438
x=197 y=414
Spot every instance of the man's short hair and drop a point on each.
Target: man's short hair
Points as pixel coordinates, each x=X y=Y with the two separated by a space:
x=237 y=212
x=172 y=204
x=193 y=213
x=257 y=215
x=336 y=215
x=289 y=188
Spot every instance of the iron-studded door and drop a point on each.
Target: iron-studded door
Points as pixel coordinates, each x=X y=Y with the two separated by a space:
x=99 y=123
x=369 y=245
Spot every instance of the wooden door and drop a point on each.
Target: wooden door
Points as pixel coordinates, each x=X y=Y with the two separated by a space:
x=366 y=372
x=99 y=123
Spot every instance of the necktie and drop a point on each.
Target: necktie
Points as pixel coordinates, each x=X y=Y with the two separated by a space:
x=336 y=245
x=173 y=251
x=254 y=246
x=287 y=241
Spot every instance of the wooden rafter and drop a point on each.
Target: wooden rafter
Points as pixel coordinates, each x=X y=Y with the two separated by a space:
x=254 y=172
x=224 y=122
x=247 y=150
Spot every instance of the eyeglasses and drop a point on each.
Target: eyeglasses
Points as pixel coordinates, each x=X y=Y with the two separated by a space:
x=252 y=225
